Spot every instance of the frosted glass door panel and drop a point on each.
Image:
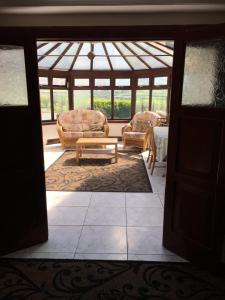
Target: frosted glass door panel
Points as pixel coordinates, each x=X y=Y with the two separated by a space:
x=13 y=85
x=204 y=74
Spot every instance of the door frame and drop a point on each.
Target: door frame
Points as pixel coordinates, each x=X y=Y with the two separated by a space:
x=118 y=33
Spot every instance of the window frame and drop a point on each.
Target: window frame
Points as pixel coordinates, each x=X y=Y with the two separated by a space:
x=112 y=76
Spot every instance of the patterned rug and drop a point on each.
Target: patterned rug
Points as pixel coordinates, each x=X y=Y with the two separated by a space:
x=40 y=279
x=99 y=173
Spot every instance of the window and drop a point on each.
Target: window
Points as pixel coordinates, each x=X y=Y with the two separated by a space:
x=159 y=101
x=123 y=82
x=143 y=82
x=117 y=98
x=142 y=100
x=102 y=102
x=43 y=80
x=59 y=81
x=60 y=100
x=102 y=82
x=45 y=105
x=82 y=99
x=122 y=104
x=81 y=82
x=160 y=80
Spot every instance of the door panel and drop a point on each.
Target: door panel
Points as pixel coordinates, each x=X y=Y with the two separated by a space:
x=194 y=212
x=23 y=213
x=193 y=158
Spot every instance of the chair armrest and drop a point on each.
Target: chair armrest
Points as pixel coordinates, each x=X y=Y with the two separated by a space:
x=106 y=129
x=59 y=129
x=126 y=127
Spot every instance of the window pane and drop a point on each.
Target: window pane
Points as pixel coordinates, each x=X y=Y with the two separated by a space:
x=102 y=82
x=59 y=50
x=136 y=63
x=59 y=81
x=123 y=82
x=102 y=102
x=13 y=84
x=122 y=104
x=64 y=63
x=47 y=62
x=119 y=63
x=81 y=82
x=142 y=100
x=60 y=99
x=100 y=63
x=46 y=48
x=204 y=74
x=43 y=80
x=143 y=81
x=82 y=63
x=159 y=101
x=153 y=63
x=161 y=80
x=82 y=99
x=45 y=104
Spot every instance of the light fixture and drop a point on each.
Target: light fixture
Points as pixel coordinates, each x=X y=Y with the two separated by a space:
x=91 y=54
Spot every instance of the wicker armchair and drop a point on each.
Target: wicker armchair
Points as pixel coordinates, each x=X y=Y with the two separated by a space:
x=136 y=133
x=75 y=124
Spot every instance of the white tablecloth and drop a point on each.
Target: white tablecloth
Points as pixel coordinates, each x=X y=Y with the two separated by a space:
x=161 y=140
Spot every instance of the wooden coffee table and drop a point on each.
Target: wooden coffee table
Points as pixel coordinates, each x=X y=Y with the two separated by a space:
x=82 y=142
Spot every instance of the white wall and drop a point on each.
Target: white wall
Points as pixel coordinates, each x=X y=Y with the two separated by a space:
x=50 y=132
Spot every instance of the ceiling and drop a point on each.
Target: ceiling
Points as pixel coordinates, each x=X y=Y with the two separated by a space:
x=108 y=6
x=105 y=56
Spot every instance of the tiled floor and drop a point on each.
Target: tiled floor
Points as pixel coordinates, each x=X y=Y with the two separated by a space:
x=94 y=225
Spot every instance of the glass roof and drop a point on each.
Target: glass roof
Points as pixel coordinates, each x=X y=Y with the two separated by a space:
x=108 y=56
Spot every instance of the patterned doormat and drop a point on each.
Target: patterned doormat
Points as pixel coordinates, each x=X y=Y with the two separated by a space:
x=98 y=173
x=39 y=279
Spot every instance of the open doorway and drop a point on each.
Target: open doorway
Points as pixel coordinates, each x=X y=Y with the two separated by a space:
x=125 y=81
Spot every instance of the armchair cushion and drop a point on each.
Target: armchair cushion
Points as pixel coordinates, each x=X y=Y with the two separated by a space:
x=134 y=135
x=141 y=126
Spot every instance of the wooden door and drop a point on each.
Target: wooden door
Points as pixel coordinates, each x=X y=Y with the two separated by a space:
x=23 y=214
x=194 y=214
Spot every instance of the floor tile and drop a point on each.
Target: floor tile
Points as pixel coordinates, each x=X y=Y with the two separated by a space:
x=66 y=215
x=108 y=200
x=54 y=255
x=70 y=199
x=147 y=240
x=101 y=256
x=61 y=239
x=19 y=254
x=106 y=216
x=142 y=200
x=144 y=216
x=156 y=257
x=102 y=239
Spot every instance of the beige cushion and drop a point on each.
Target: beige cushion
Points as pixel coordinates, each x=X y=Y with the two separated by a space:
x=82 y=120
x=134 y=135
x=147 y=116
x=93 y=134
x=72 y=134
x=141 y=126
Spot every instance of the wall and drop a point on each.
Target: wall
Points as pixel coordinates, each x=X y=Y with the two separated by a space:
x=50 y=132
x=107 y=19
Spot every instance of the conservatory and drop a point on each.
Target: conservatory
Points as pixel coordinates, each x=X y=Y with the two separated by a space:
x=118 y=78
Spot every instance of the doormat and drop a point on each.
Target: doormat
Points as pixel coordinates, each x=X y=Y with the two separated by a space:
x=98 y=173
x=37 y=279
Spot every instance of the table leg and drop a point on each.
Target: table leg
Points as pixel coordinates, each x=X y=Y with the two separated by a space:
x=78 y=154
x=116 y=156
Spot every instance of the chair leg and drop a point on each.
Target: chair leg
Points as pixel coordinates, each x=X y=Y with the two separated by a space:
x=153 y=165
x=149 y=153
x=150 y=161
